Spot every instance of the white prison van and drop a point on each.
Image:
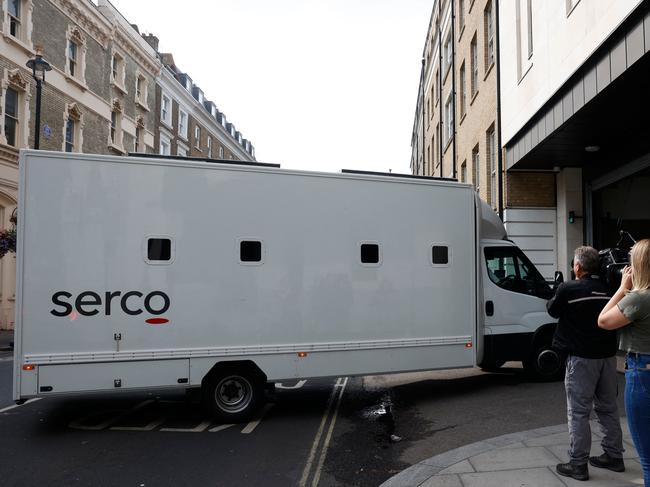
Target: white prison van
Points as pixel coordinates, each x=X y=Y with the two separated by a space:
x=147 y=272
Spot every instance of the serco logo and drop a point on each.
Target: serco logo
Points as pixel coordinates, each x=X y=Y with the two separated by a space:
x=90 y=303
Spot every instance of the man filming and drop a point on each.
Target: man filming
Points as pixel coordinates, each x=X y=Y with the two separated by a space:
x=590 y=379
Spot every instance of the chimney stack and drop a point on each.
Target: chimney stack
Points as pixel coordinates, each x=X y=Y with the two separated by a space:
x=152 y=40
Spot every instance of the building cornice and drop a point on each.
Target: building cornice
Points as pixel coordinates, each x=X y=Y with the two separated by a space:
x=145 y=60
x=86 y=16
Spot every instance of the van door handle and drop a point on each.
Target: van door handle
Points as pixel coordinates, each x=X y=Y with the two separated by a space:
x=489 y=308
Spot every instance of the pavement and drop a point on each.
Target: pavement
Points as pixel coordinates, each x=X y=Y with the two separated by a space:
x=524 y=459
x=6 y=340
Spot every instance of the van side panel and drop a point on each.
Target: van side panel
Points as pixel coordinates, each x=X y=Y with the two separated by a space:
x=87 y=287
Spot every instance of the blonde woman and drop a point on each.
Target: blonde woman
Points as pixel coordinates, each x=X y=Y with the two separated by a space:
x=629 y=310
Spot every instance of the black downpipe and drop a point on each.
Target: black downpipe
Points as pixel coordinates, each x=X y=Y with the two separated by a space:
x=453 y=88
x=439 y=134
x=424 y=154
x=499 y=148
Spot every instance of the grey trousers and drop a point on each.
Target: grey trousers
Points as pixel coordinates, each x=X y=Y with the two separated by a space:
x=592 y=382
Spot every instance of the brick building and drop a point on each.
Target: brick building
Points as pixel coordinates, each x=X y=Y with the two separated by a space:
x=455 y=131
x=187 y=123
x=102 y=96
x=457 y=128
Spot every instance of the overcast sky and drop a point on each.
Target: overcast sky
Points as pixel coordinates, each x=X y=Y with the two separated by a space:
x=313 y=84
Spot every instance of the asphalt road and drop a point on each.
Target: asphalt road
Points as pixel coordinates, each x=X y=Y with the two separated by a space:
x=328 y=432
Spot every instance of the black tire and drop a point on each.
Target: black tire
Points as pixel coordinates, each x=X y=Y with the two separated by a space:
x=491 y=365
x=233 y=395
x=544 y=364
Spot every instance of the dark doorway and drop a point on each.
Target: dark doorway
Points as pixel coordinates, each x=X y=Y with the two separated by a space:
x=623 y=205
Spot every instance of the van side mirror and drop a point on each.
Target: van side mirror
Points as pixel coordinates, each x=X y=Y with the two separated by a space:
x=559 y=279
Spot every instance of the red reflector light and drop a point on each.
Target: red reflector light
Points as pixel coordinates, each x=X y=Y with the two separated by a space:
x=468 y=345
x=29 y=367
x=302 y=354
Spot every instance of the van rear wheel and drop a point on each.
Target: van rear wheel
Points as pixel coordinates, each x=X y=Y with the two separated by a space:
x=233 y=395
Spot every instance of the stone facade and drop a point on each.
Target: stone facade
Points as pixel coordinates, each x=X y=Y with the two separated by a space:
x=85 y=96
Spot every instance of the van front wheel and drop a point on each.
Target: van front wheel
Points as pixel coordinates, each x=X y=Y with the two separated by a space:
x=232 y=395
x=544 y=364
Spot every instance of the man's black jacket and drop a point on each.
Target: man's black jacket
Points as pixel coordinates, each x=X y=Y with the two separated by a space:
x=577 y=304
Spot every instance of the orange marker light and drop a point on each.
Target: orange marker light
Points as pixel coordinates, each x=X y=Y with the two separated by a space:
x=302 y=354
x=29 y=367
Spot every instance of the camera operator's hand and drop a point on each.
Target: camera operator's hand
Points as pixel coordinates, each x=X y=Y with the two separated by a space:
x=626 y=278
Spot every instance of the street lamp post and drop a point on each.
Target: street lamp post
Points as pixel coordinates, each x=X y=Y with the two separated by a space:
x=39 y=66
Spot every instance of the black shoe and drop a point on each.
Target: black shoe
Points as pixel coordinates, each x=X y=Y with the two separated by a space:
x=578 y=472
x=610 y=463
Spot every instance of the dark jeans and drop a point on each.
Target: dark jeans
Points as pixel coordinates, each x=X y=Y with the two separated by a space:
x=637 y=407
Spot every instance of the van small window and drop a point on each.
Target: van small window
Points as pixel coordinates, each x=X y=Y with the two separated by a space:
x=439 y=255
x=159 y=249
x=369 y=253
x=250 y=251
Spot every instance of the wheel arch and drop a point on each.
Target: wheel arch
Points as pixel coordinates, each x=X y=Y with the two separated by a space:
x=244 y=365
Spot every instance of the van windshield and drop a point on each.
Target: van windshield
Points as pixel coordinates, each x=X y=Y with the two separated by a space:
x=510 y=269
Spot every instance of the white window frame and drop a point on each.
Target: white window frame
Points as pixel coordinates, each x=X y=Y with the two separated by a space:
x=115 y=132
x=166 y=113
x=138 y=136
x=23 y=36
x=16 y=80
x=165 y=145
x=474 y=68
x=524 y=33
x=221 y=152
x=476 y=166
x=118 y=71
x=183 y=121
x=449 y=119
x=197 y=137
x=491 y=154
x=182 y=150
x=463 y=89
x=72 y=112
x=461 y=16
x=75 y=36
x=448 y=51
x=488 y=14
x=141 y=90
x=209 y=147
